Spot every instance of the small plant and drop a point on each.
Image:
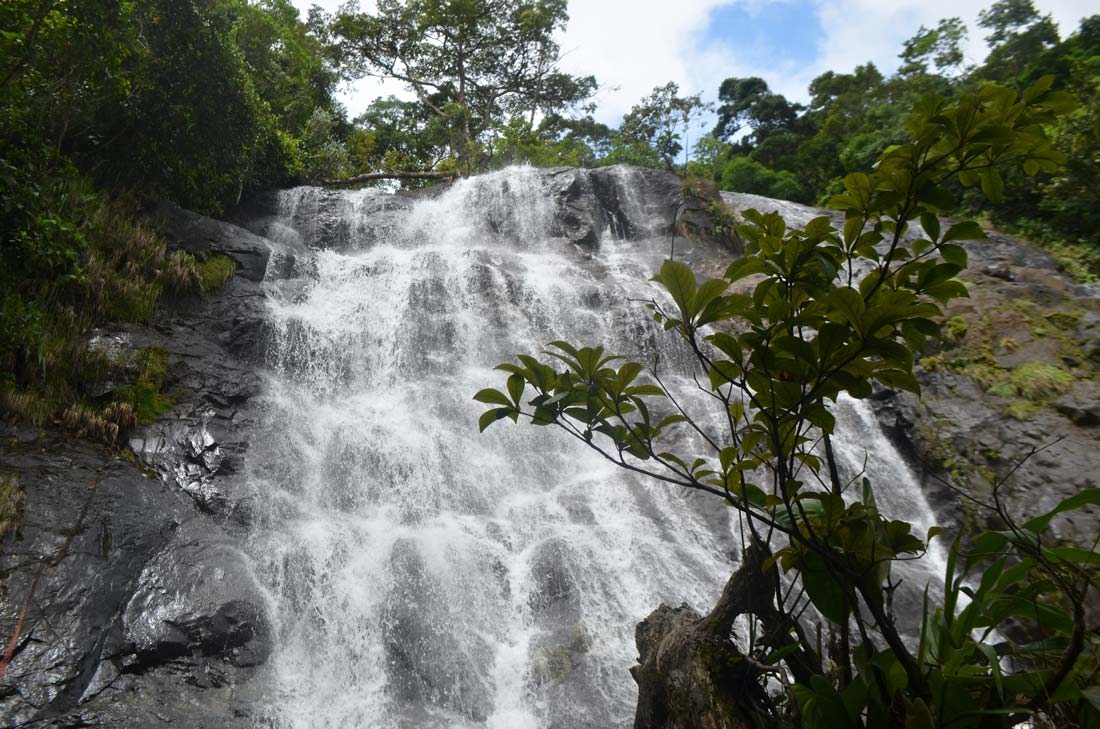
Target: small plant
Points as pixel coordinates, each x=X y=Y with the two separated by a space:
x=214 y=272
x=1023 y=409
x=955 y=328
x=12 y=501
x=1040 y=381
x=146 y=397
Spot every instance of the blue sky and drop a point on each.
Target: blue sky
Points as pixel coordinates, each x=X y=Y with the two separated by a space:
x=763 y=32
x=633 y=45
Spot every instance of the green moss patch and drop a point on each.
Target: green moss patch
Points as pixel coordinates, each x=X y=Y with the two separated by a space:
x=1038 y=381
x=147 y=396
x=214 y=272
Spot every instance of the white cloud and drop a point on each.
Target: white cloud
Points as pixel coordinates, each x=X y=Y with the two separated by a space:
x=633 y=45
x=860 y=30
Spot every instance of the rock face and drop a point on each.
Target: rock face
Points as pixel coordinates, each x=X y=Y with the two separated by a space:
x=140 y=608
x=1010 y=394
x=1014 y=381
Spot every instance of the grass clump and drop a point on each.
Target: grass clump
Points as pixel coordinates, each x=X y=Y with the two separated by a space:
x=146 y=397
x=1039 y=381
x=1022 y=409
x=12 y=501
x=183 y=273
x=214 y=272
x=955 y=328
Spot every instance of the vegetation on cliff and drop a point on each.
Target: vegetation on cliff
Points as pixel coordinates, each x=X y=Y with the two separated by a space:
x=104 y=103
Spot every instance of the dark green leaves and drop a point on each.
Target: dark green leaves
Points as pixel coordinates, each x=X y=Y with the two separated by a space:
x=679 y=281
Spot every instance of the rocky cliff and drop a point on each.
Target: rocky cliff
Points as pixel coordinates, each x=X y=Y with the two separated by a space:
x=138 y=605
x=135 y=603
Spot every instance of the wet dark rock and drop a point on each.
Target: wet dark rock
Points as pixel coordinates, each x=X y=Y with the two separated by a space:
x=631 y=203
x=125 y=591
x=1081 y=406
x=203 y=237
x=145 y=611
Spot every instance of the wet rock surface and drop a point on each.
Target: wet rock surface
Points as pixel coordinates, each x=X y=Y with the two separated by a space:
x=1010 y=394
x=140 y=609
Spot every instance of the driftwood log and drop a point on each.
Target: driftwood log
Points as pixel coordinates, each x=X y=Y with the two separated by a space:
x=398 y=175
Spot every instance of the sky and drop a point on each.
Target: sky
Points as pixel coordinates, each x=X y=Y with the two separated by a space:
x=632 y=46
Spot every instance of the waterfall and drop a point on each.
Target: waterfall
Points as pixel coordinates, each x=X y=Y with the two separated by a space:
x=421 y=574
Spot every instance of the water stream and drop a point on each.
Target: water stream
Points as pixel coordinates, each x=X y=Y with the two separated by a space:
x=422 y=574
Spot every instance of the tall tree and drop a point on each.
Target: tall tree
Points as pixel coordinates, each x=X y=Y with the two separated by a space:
x=652 y=131
x=472 y=63
x=749 y=102
x=940 y=46
x=1019 y=40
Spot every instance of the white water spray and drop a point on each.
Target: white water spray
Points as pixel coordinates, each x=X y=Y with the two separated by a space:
x=422 y=574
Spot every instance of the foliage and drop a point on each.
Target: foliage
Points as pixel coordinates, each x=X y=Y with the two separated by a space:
x=555 y=141
x=652 y=131
x=1040 y=381
x=197 y=100
x=146 y=395
x=774 y=147
x=808 y=329
x=942 y=46
x=325 y=156
x=747 y=175
x=183 y=273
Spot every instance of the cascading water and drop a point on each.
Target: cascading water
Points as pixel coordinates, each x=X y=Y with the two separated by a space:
x=421 y=574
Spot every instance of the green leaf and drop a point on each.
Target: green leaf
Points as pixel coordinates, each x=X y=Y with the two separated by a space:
x=780 y=653
x=930 y=223
x=966 y=230
x=516 y=384
x=628 y=372
x=679 y=280
x=994 y=666
x=821 y=707
x=671 y=420
x=491 y=416
x=858 y=186
x=490 y=396
x=728 y=344
x=743 y=267
x=954 y=254
x=993 y=186
x=645 y=391
x=707 y=293
x=824 y=588
x=1084 y=498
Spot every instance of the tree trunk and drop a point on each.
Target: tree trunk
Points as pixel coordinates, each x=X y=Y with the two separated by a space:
x=398 y=175
x=691 y=675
